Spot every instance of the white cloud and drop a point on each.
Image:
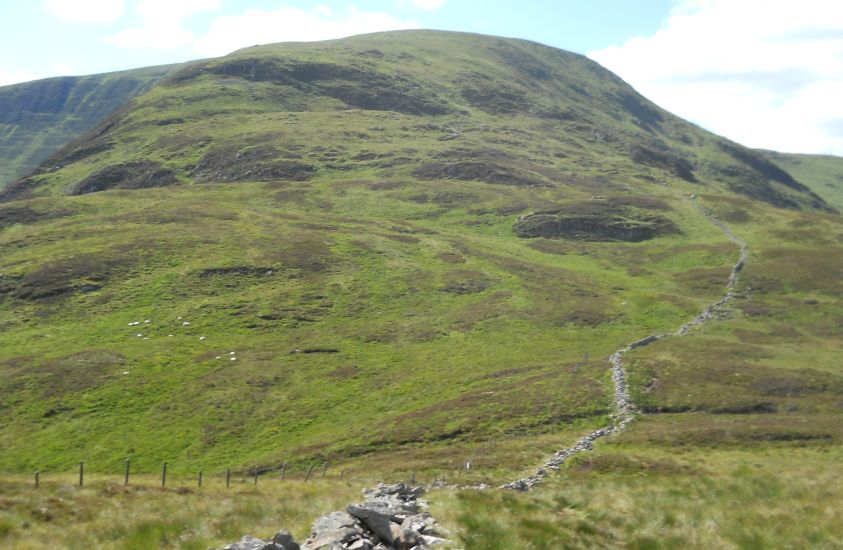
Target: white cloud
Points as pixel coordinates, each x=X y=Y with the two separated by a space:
x=159 y=37
x=14 y=77
x=286 y=24
x=163 y=24
x=86 y=11
x=766 y=73
x=62 y=69
x=429 y=4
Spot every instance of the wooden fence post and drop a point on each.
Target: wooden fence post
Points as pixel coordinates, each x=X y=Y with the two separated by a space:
x=228 y=478
x=164 y=475
x=126 y=472
x=81 y=473
x=200 y=478
x=256 y=479
x=284 y=471
x=37 y=480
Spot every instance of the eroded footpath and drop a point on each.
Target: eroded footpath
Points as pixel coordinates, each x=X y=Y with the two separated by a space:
x=624 y=407
x=393 y=516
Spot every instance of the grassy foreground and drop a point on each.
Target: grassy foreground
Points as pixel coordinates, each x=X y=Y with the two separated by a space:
x=772 y=497
x=105 y=514
x=628 y=494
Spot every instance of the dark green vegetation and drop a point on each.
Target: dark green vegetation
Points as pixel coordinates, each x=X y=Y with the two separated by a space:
x=38 y=118
x=396 y=250
x=826 y=173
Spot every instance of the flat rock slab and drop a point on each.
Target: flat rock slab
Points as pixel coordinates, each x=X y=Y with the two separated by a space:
x=379 y=524
x=332 y=529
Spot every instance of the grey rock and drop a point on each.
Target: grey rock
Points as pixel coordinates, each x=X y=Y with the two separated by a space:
x=285 y=540
x=334 y=521
x=407 y=538
x=430 y=540
x=400 y=490
x=420 y=523
x=249 y=542
x=389 y=520
x=332 y=529
x=378 y=523
x=395 y=509
x=360 y=544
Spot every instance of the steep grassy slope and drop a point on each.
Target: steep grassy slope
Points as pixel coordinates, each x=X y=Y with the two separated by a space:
x=824 y=174
x=38 y=118
x=393 y=241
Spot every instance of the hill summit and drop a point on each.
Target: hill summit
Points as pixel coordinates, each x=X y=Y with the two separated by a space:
x=447 y=80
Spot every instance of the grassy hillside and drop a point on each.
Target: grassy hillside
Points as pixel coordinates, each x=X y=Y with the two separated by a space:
x=823 y=172
x=38 y=118
x=404 y=246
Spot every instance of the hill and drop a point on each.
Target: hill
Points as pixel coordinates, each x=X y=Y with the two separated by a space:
x=38 y=118
x=422 y=245
x=824 y=173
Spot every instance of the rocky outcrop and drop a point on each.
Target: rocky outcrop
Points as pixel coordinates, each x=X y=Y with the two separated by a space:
x=391 y=517
x=263 y=163
x=486 y=171
x=667 y=160
x=140 y=174
x=596 y=220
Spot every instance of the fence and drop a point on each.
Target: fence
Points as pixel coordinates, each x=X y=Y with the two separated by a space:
x=284 y=470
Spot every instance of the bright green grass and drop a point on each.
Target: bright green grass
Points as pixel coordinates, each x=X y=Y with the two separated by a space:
x=431 y=325
x=630 y=497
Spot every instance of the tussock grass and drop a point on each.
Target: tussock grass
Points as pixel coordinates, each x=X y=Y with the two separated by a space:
x=105 y=514
x=638 y=497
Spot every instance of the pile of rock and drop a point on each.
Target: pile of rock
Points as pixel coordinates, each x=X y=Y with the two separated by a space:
x=390 y=518
x=283 y=540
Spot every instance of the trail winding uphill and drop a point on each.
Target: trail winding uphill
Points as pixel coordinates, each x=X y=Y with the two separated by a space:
x=371 y=522
x=624 y=407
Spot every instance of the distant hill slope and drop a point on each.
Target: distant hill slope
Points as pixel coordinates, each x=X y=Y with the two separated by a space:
x=38 y=118
x=823 y=173
x=391 y=241
x=587 y=112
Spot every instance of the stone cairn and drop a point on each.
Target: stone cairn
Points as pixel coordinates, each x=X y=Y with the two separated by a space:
x=392 y=517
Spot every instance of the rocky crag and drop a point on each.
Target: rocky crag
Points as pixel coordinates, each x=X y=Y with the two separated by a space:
x=392 y=517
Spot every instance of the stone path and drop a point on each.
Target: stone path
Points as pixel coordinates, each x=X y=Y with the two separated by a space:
x=624 y=407
x=392 y=517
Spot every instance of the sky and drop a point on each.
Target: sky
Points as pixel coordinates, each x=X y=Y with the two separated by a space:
x=765 y=73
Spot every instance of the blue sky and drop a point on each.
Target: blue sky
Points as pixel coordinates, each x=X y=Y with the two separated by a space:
x=767 y=73
x=50 y=37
